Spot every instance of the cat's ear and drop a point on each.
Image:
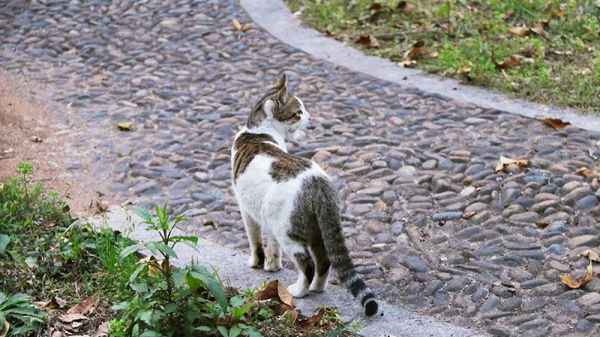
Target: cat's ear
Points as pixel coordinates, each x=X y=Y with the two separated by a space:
x=282 y=82
x=281 y=96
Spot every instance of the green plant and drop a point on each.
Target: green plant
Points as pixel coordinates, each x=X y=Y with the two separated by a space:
x=18 y=315
x=117 y=328
x=168 y=300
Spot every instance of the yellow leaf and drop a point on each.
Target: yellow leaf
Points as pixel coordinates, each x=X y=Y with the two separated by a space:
x=556 y=123
x=519 y=31
x=590 y=254
x=586 y=172
x=571 y=283
x=236 y=24
x=468 y=215
x=125 y=126
x=5 y=330
x=507 y=161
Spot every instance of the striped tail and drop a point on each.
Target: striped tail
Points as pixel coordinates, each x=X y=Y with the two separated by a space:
x=328 y=217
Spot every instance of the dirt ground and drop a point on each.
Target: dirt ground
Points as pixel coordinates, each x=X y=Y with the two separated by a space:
x=24 y=126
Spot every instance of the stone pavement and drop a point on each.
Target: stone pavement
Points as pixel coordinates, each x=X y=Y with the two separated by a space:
x=407 y=162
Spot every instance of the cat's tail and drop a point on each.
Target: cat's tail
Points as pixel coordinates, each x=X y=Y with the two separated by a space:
x=328 y=216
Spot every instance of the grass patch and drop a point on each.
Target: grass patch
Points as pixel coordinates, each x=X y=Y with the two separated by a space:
x=60 y=278
x=546 y=51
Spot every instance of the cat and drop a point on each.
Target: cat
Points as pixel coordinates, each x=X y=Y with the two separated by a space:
x=291 y=199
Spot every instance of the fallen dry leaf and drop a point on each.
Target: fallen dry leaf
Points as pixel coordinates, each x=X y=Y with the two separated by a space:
x=556 y=123
x=586 y=172
x=407 y=61
x=236 y=24
x=590 y=254
x=368 y=40
x=509 y=62
x=68 y=318
x=54 y=303
x=562 y=52
x=529 y=50
x=102 y=330
x=559 y=13
x=519 y=30
x=542 y=224
x=571 y=283
x=5 y=329
x=311 y=321
x=284 y=296
x=507 y=161
x=57 y=333
x=86 y=306
x=405 y=7
x=508 y=14
x=407 y=64
x=125 y=126
x=468 y=215
x=539 y=30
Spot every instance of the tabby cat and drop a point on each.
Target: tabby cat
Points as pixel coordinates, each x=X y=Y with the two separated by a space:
x=291 y=199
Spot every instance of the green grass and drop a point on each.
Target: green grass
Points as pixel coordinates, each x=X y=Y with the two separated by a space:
x=561 y=49
x=45 y=255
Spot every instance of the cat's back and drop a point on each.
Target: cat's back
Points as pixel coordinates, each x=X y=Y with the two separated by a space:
x=257 y=158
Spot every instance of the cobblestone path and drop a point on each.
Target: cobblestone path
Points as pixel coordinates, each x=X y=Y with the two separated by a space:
x=407 y=163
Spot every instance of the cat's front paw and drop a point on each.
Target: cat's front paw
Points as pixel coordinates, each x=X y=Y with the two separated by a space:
x=298 y=289
x=273 y=264
x=254 y=261
x=318 y=285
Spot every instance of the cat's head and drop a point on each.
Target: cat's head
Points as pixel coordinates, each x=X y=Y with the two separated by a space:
x=279 y=109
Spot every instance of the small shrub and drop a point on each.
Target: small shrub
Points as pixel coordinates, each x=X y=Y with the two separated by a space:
x=18 y=316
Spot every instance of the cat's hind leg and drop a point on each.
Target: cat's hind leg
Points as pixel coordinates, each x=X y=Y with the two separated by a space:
x=322 y=267
x=273 y=253
x=300 y=255
x=253 y=231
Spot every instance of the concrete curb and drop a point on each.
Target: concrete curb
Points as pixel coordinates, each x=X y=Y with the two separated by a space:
x=275 y=17
x=232 y=269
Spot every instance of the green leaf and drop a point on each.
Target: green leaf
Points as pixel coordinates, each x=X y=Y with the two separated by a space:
x=17 y=299
x=4 y=241
x=223 y=331
x=151 y=333
x=166 y=250
x=203 y=328
x=17 y=258
x=238 y=312
x=171 y=307
x=211 y=282
x=179 y=277
x=121 y=306
x=236 y=301
x=146 y=316
x=152 y=248
x=141 y=267
x=235 y=331
x=142 y=213
x=130 y=250
x=251 y=332
x=185 y=238
x=140 y=287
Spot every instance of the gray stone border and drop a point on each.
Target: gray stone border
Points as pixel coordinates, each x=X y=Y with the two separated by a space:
x=232 y=268
x=275 y=17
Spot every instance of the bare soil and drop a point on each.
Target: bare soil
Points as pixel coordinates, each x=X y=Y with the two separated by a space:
x=24 y=125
